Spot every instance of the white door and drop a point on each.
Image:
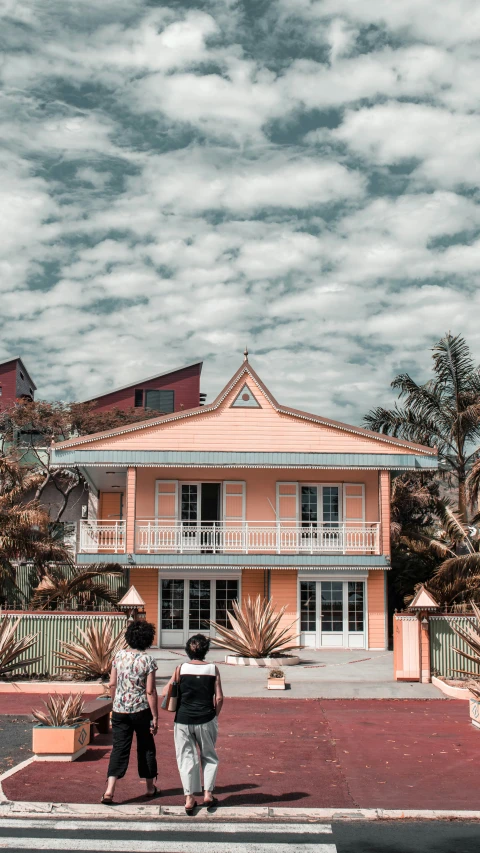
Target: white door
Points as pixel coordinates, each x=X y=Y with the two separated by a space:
x=187 y=605
x=332 y=614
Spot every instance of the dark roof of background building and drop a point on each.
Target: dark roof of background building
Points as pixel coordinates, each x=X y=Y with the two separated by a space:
x=141 y=381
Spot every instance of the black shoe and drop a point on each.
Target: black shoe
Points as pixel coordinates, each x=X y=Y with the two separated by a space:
x=155 y=793
x=191 y=810
x=211 y=804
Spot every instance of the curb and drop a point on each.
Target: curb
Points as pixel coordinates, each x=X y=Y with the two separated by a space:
x=86 y=812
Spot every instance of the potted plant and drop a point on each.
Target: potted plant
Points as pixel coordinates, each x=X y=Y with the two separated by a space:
x=257 y=636
x=276 y=679
x=61 y=733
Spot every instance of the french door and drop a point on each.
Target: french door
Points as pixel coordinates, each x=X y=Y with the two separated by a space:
x=332 y=614
x=186 y=605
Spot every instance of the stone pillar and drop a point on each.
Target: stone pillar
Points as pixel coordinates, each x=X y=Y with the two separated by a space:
x=425 y=672
x=384 y=507
x=130 y=509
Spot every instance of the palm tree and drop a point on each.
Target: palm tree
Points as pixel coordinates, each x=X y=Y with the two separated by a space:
x=62 y=585
x=24 y=524
x=444 y=412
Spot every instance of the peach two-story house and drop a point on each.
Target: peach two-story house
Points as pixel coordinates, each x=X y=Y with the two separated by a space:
x=242 y=497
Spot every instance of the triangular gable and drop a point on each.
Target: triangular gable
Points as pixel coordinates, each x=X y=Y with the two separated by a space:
x=245 y=399
x=265 y=425
x=423 y=600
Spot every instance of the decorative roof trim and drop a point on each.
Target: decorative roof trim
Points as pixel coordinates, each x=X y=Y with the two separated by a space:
x=245 y=368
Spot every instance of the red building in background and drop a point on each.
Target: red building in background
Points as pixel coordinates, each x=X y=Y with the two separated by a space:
x=167 y=392
x=15 y=382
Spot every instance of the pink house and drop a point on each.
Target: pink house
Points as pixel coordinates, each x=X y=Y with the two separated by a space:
x=246 y=496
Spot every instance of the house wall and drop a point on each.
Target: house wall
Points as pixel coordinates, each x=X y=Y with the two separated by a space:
x=246 y=429
x=8 y=383
x=185 y=383
x=253 y=584
x=260 y=486
x=376 y=610
x=284 y=591
x=145 y=582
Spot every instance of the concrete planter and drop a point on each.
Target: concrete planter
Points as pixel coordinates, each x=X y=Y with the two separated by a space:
x=452 y=690
x=236 y=660
x=90 y=688
x=475 y=712
x=276 y=683
x=60 y=743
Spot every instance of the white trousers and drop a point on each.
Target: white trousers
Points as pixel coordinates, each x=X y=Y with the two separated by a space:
x=187 y=739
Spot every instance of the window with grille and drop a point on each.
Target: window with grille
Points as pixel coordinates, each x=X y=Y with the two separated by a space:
x=226 y=593
x=332 y=606
x=355 y=605
x=172 y=604
x=160 y=401
x=308 y=605
x=199 y=605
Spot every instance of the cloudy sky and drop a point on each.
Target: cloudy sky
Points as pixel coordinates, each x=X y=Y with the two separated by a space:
x=180 y=180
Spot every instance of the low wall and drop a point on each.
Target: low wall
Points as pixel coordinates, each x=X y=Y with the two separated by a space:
x=53 y=628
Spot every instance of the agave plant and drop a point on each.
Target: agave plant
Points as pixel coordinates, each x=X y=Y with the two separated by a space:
x=61 y=710
x=11 y=648
x=471 y=637
x=90 y=653
x=255 y=631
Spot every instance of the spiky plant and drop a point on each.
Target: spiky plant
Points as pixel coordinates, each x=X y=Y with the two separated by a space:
x=61 y=710
x=255 y=631
x=90 y=653
x=11 y=648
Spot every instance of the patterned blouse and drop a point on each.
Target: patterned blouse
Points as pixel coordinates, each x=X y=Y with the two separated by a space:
x=132 y=670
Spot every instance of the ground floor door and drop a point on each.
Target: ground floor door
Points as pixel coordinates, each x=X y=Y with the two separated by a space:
x=332 y=614
x=187 y=605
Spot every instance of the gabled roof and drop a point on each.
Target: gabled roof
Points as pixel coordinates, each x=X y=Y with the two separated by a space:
x=17 y=358
x=141 y=381
x=423 y=600
x=247 y=370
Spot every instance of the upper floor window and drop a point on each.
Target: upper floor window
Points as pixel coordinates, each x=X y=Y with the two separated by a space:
x=320 y=504
x=160 y=401
x=22 y=376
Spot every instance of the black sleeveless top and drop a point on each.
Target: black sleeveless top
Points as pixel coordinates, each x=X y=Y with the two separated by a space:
x=196 y=693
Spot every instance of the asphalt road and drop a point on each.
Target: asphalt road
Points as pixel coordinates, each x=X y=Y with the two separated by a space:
x=15 y=741
x=197 y=837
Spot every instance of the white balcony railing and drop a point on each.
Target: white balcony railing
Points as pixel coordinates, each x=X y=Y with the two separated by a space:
x=231 y=538
x=256 y=537
x=97 y=537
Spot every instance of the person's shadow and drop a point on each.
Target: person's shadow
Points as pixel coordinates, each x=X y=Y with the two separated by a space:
x=233 y=798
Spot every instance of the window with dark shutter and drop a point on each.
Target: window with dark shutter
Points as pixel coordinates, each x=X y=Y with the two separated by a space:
x=138 y=398
x=160 y=401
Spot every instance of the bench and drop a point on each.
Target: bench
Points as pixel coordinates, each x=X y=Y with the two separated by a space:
x=98 y=712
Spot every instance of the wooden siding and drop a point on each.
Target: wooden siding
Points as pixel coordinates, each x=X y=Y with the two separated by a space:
x=253 y=584
x=284 y=590
x=185 y=384
x=145 y=582
x=130 y=508
x=110 y=506
x=251 y=429
x=385 y=511
x=376 y=610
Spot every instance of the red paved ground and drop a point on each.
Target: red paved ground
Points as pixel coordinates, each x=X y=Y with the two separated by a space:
x=331 y=753
x=19 y=704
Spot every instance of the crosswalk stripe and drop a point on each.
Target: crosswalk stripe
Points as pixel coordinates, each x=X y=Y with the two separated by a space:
x=161 y=826
x=101 y=845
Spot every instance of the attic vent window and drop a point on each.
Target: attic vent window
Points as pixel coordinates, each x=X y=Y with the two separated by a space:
x=160 y=401
x=22 y=376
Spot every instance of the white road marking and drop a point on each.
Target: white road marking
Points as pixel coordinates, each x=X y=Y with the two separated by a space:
x=163 y=826
x=100 y=845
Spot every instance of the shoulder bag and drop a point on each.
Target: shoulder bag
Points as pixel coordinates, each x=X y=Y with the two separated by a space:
x=170 y=699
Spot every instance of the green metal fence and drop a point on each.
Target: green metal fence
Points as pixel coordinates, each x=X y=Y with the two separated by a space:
x=52 y=628
x=443 y=659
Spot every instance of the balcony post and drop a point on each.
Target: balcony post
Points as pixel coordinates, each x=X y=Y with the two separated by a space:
x=246 y=537
x=130 y=510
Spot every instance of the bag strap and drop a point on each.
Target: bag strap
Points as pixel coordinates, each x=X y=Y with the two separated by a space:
x=177 y=673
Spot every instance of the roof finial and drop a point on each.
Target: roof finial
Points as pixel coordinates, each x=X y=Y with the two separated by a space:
x=245 y=354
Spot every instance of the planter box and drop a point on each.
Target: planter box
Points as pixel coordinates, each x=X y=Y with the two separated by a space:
x=475 y=712
x=91 y=688
x=455 y=691
x=276 y=683
x=272 y=663
x=60 y=743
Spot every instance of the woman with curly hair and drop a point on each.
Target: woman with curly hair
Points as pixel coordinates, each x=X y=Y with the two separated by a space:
x=135 y=709
x=200 y=700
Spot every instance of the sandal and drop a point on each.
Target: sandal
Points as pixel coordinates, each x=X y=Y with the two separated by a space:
x=155 y=793
x=210 y=804
x=191 y=809
x=107 y=800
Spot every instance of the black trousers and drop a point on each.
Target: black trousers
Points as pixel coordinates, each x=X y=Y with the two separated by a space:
x=123 y=727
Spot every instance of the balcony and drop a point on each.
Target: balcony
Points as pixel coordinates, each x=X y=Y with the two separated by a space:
x=257 y=537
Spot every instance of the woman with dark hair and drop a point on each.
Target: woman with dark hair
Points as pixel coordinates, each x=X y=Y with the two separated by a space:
x=200 y=700
x=135 y=709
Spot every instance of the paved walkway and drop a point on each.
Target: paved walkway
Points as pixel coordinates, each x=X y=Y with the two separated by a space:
x=321 y=674
x=407 y=754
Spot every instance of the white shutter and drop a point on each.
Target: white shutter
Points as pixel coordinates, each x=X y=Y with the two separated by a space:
x=287 y=504
x=166 y=501
x=234 y=502
x=354 y=504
